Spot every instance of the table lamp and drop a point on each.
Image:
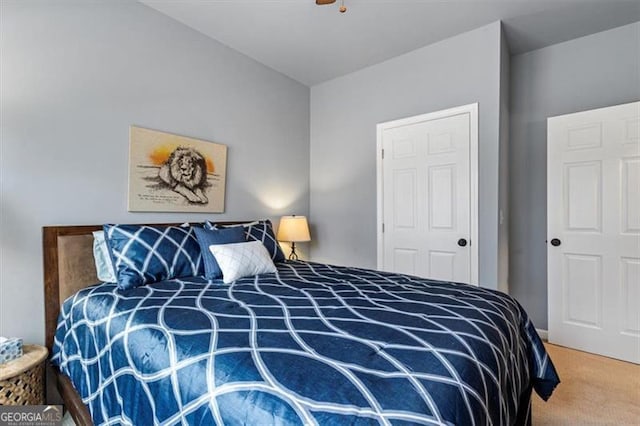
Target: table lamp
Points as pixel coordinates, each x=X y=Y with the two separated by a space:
x=293 y=229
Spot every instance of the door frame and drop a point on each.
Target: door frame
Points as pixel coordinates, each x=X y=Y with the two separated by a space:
x=472 y=110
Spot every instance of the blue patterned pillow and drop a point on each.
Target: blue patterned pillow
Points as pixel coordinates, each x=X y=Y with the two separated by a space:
x=209 y=237
x=260 y=230
x=144 y=254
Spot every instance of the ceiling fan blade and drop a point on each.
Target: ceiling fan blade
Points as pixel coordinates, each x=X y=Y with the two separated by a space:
x=321 y=2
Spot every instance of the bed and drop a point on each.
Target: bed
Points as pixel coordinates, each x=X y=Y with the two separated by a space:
x=308 y=344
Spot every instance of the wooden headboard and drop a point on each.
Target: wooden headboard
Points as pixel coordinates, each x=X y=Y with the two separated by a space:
x=68 y=267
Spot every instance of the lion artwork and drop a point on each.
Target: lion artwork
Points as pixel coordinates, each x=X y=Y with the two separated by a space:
x=185 y=171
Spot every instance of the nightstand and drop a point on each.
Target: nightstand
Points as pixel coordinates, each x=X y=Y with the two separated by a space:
x=22 y=380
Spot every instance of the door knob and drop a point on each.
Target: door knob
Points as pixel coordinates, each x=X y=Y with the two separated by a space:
x=462 y=242
x=556 y=242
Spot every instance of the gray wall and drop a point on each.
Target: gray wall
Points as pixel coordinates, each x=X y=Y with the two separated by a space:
x=74 y=76
x=344 y=113
x=590 y=72
x=504 y=167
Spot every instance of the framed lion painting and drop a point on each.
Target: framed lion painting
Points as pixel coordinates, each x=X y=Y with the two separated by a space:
x=171 y=173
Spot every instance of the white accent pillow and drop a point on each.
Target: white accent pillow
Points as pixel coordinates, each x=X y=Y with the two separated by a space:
x=104 y=264
x=238 y=260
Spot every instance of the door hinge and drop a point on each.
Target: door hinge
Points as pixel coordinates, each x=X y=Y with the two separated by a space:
x=383 y=154
x=383 y=227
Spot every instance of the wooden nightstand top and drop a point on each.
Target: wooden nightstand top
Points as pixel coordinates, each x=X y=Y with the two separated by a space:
x=33 y=355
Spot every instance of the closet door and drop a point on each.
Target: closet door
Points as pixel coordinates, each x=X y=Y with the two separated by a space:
x=427 y=191
x=593 y=248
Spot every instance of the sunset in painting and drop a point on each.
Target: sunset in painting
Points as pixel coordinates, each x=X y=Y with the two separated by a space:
x=160 y=154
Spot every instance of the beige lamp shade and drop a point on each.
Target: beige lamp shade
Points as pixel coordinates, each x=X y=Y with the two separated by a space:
x=293 y=229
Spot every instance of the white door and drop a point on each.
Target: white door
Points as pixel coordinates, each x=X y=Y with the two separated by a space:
x=427 y=180
x=593 y=188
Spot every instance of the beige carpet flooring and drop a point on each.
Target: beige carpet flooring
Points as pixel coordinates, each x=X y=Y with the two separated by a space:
x=594 y=390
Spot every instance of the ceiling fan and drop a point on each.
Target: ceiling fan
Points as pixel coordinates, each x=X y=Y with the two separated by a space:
x=343 y=9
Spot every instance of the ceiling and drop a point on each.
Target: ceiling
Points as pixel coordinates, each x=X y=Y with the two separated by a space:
x=313 y=44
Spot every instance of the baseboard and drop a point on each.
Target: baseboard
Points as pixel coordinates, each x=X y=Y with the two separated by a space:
x=544 y=334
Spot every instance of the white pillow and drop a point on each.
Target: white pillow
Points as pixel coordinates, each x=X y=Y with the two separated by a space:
x=104 y=264
x=238 y=260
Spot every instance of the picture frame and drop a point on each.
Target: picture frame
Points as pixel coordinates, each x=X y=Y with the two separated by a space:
x=173 y=173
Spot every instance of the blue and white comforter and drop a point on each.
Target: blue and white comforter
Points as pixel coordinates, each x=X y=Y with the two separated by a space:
x=311 y=344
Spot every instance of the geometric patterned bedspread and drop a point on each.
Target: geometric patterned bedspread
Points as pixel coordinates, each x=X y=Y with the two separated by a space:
x=310 y=344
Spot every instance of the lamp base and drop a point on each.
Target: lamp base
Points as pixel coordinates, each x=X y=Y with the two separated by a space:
x=293 y=255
